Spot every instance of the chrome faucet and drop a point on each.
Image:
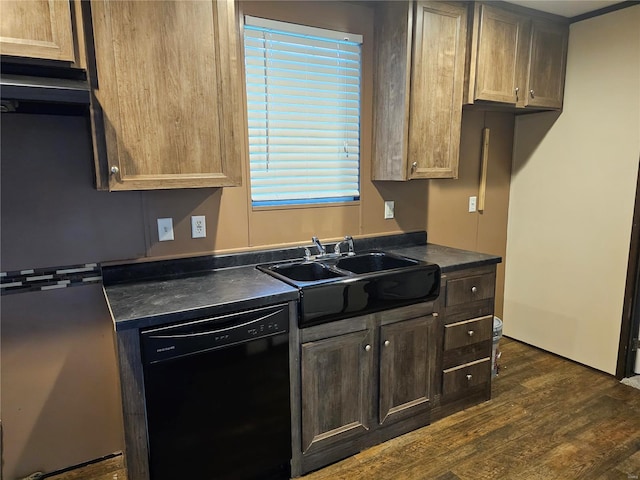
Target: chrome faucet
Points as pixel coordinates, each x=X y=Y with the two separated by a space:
x=319 y=246
x=348 y=239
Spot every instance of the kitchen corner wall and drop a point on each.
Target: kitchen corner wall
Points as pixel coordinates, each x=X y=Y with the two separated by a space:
x=448 y=219
x=572 y=199
x=60 y=404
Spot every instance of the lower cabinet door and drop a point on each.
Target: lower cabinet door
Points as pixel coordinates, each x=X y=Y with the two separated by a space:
x=337 y=386
x=407 y=368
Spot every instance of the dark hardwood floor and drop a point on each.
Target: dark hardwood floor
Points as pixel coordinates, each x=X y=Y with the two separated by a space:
x=549 y=418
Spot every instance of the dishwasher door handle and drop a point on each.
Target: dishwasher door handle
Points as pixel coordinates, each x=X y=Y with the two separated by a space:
x=217 y=331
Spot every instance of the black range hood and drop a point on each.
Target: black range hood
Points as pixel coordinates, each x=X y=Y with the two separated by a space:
x=49 y=90
x=44 y=89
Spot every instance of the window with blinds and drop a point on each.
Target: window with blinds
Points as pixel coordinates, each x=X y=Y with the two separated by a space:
x=303 y=102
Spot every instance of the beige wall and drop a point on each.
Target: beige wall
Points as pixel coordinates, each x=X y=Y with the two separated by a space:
x=572 y=198
x=231 y=221
x=448 y=219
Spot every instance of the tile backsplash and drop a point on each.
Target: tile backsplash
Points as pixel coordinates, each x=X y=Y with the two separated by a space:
x=42 y=279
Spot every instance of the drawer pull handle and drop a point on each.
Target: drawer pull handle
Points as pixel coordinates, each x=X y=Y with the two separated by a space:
x=470 y=333
x=469 y=376
x=387 y=343
x=474 y=289
x=367 y=348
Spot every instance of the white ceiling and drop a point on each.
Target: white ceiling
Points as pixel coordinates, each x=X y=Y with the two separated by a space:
x=566 y=8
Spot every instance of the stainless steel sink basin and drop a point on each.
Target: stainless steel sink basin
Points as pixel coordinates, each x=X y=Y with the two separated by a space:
x=373 y=262
x=336 y=287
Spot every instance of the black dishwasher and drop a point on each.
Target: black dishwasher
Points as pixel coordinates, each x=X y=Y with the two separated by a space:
x=217 y=397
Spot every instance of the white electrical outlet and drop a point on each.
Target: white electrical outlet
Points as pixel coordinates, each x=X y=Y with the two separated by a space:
x=473 y=204
x=389 y=206
x=198 y=226
x=165 y=229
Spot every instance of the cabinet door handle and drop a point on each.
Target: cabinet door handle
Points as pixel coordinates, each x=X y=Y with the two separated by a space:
x=367 y=348
x=435 y=314
x=414 y=165
x=532 y=94
x=469 y=376
x=470 y=333
x=387 y=343
x=474 y=289
x=517 y=90
x=114 y=170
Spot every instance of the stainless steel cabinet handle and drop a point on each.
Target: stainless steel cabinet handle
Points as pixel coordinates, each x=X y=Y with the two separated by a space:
x=435 y=314
x=532 y=94
x=470 y=333
x=469 y=376
x=414 y=165
x=367 y=348
x=474 y=289
x=387 y=343
x=114 y=170
x=517 y=90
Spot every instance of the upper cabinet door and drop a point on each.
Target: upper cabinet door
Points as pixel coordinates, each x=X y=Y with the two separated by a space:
x=547 y=65
x=393 y=34
x=169 y=86
x=437 y=83
x=500 y=34
x=40 y=29
x=419 y=84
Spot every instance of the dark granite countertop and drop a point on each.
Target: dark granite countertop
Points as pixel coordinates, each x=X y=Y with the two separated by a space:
x=142 y=295
x=155 y=302
x=449 y=259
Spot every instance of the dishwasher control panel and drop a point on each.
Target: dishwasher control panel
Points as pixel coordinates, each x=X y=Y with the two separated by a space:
x=202 y=335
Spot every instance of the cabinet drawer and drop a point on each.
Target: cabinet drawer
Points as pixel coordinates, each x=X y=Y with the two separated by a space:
x=470 y=289
x=468 y=332
x=465 y=376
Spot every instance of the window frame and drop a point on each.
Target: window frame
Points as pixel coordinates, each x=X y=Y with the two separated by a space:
x=313 y=202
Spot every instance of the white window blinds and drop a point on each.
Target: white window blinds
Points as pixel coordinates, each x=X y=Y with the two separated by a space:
x=303 y=102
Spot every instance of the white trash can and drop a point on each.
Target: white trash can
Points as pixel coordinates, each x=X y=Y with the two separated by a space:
x=495 y=351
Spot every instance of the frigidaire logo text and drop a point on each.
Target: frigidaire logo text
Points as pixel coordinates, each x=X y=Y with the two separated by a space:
x=166 y=349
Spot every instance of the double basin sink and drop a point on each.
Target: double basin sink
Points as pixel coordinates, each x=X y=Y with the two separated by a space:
x=333 y=287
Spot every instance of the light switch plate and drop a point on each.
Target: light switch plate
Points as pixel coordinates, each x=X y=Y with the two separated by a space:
x=389 y=207
x=473 y=204
x=165 y=229
x=198 y=226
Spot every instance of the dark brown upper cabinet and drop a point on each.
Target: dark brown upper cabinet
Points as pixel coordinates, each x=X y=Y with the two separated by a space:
x=418 y=89
x=547 y=65
x=168 y=92
x=517 y=58
x=38 y=30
